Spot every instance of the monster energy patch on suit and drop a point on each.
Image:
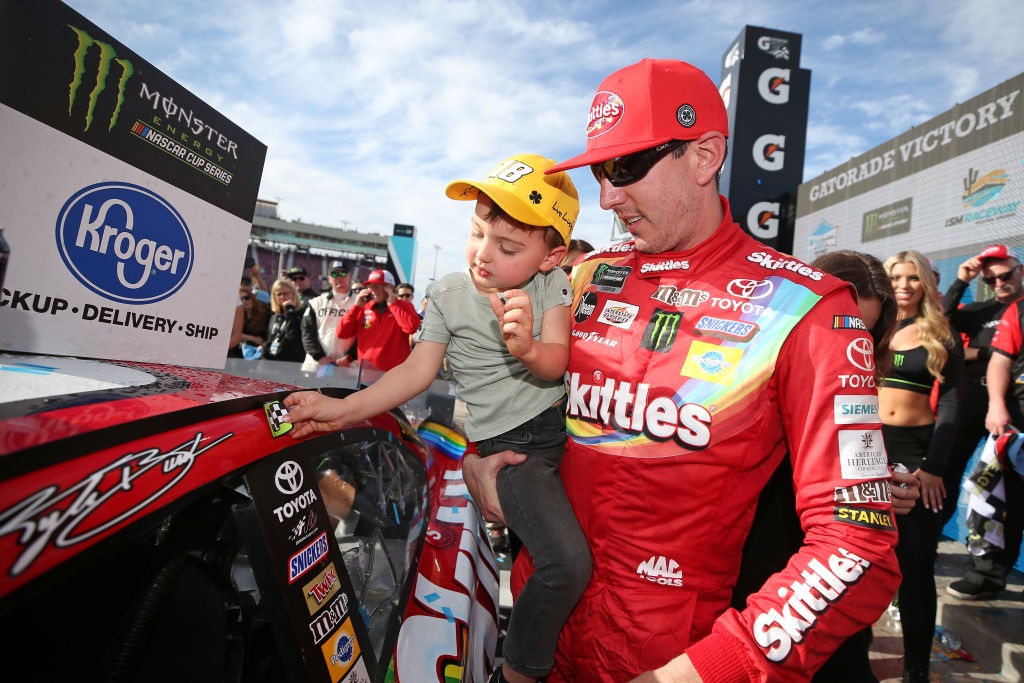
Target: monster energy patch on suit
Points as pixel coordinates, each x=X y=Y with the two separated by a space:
x=661 y=331
x=608 y=278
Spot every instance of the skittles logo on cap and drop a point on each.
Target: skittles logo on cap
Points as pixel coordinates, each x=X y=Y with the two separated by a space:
x=605 y=112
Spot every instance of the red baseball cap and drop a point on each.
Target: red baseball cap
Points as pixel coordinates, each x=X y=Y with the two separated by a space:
x=380 y=277
x=996 y=251
x=647 y=104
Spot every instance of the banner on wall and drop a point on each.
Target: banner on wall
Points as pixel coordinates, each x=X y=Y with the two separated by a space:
x=948 y=187
x=126 y=201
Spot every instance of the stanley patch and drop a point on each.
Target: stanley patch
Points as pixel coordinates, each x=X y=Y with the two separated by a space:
x=866 y=517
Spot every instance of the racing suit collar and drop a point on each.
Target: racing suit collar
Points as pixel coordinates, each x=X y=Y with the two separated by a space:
x=706 y=255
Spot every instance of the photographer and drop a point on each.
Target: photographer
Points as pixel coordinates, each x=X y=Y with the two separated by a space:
x=380 y=322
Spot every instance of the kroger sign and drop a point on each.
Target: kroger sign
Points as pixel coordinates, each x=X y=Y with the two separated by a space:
x=125 y=243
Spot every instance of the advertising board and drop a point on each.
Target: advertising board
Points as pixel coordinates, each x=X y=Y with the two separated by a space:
x=947 y=188
x=767 y=95
x=126 y=201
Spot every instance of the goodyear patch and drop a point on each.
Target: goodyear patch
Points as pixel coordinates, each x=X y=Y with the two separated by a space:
x=277 y=417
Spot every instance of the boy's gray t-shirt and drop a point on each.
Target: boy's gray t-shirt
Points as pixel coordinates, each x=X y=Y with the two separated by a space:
x=499 y=392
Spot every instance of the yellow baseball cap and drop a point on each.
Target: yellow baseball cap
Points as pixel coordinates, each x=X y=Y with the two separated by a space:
x=518 y=185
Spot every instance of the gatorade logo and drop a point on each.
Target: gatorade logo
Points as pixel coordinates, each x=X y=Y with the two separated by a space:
x=768 y=151
x=125 y=243
x=661 y=331
x=763 y=220
x=773 y=85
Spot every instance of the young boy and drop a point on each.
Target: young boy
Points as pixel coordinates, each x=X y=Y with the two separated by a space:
x=503 y=325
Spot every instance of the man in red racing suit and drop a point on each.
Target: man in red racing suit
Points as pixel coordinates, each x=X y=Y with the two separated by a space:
x=675 y=426
x=692 y=370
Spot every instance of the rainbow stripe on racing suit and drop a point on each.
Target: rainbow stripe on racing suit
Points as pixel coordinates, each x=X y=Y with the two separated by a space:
x=690 y=374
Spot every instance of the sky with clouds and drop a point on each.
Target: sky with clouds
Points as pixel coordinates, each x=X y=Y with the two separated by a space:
x=369 y=109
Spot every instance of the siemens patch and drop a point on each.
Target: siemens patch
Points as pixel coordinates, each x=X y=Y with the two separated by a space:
x=855 y=409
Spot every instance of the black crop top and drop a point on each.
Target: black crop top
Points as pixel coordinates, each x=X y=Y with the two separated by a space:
x=910 y=371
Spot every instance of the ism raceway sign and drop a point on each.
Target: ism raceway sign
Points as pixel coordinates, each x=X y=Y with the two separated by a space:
x=126 y=201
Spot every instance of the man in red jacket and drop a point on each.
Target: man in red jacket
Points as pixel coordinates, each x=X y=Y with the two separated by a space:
x=697 y=356
x=380 y=322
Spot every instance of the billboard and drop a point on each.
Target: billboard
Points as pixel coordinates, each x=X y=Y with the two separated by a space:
x=947 y=188
x=126 y=200
x=766 y=94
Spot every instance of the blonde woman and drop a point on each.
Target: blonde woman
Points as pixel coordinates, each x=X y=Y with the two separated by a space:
x=284 y=337
x=925 y=351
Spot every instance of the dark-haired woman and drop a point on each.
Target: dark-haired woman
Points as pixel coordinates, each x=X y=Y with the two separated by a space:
x=776 y=532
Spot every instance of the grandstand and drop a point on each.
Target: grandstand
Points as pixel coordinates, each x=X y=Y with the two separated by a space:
x=277 y=245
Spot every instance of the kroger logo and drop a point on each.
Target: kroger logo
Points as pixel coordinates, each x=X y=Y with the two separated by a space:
x=125 y=243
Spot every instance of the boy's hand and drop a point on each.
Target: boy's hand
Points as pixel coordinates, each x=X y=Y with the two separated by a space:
x=311 y=412
x=515 y=317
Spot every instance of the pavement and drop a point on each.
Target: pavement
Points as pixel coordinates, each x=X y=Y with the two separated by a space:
x=988 y=635
x=990 y=632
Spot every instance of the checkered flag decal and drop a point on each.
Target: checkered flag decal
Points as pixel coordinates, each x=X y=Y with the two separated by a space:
x=277 y=416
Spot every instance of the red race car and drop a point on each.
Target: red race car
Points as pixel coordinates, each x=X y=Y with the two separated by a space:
x=157 y=523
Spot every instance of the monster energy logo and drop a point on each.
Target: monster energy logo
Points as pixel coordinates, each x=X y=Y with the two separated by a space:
x=897 y=360
x=107 y=57
x=661 y=330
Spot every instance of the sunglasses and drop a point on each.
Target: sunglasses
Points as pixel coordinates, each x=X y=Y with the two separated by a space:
x=404 y=296
x=246 y=297
x=622 y=171
x=1002 y=277
x=339 y=273
x=297 y=277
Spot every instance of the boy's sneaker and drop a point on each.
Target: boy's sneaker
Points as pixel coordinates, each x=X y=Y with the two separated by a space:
x=968 y=589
